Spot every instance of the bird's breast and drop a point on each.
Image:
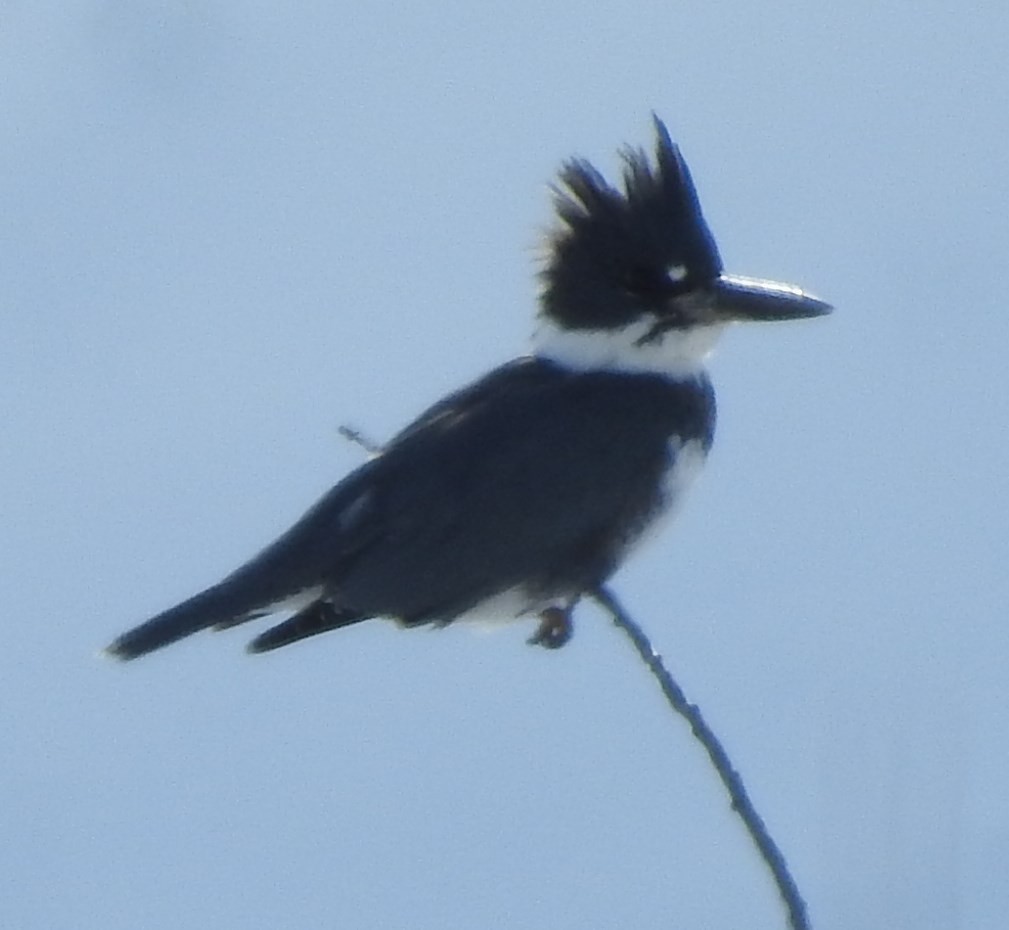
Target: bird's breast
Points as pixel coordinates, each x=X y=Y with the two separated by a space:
x=686 y=460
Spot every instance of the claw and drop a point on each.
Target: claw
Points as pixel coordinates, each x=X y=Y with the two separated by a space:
x=555 y=628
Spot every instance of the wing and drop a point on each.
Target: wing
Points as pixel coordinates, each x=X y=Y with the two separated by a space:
x=534 y=476
x=298 y=568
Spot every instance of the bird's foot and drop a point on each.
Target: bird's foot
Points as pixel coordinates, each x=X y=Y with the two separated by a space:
x=555 y=628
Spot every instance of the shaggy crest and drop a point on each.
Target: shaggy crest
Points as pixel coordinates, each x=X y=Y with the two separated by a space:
x=617 y=254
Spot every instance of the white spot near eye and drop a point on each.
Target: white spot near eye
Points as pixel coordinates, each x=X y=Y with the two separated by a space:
x=677 y=273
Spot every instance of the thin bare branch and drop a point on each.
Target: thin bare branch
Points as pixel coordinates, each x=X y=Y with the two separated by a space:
x=741 y=803
x=354 y=435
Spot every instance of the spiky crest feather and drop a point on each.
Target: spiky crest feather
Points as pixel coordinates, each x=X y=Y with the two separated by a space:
x=617 y=254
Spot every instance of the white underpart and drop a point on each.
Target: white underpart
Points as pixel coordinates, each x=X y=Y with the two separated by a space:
x=688 y=460
x=513 y=604
x=678 y=353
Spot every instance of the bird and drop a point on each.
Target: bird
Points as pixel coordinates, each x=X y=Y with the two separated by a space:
x=523 y=492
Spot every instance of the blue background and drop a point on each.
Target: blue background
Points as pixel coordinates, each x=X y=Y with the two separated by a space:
x=227 y=228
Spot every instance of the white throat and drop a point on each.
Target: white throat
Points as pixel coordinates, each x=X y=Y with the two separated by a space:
x=677 y=354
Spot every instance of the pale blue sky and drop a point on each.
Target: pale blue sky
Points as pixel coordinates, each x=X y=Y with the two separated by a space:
x=230 y=227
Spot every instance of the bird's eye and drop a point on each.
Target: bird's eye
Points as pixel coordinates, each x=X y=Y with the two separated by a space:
x=646 y=281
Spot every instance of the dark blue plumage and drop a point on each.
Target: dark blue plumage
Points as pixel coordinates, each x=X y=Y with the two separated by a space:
x=526 y=489
x=470 y=501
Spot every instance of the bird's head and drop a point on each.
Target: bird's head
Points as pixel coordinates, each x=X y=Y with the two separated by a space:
x=633 y=278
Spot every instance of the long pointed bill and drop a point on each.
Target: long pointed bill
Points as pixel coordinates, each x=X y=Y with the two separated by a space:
x=735 y=297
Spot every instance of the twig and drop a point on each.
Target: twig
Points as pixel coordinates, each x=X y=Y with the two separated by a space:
x=741 y=803
x=355 y=436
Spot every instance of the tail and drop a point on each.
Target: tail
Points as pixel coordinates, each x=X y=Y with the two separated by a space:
x=216 y=605
x=291 y=573
x=208 y=610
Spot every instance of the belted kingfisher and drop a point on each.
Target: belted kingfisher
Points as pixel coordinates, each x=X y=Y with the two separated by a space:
x=527 y=489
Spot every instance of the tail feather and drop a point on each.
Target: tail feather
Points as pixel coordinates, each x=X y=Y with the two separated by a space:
x=318 y=617
x=199 y=612
x=288 y=574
